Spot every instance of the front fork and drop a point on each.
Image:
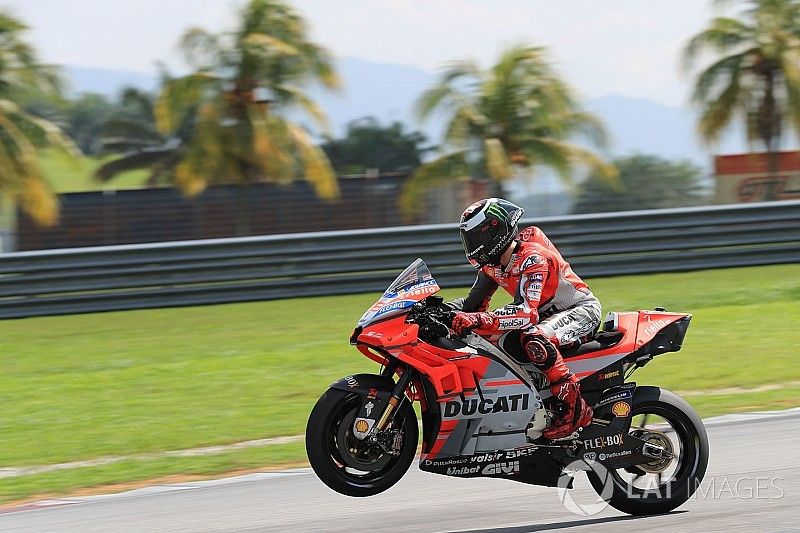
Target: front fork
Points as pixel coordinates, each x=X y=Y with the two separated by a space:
x=381 y=397
x=398 y=393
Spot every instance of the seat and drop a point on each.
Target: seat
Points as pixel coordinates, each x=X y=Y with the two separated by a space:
x=600 y=341
x=511 y=343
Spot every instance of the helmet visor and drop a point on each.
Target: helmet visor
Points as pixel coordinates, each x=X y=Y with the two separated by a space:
x=467 y=249
x=476 y=242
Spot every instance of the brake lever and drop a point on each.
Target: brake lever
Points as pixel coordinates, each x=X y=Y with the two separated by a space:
x=445 y=319
x=416 y=310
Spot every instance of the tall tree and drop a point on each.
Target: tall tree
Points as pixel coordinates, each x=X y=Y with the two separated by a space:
x=21 y=133
x=368 y=144
x=131 y=125
x=755 y=74
x=507 y=120
x=645 y=182
x=226 y=121
x=84 y=119
x=99 y=124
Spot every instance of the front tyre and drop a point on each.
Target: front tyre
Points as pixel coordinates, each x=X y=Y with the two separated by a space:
x=350 y=466
x=663 y=418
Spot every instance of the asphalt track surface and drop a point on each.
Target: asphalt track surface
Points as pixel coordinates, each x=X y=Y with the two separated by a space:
x=752 y=484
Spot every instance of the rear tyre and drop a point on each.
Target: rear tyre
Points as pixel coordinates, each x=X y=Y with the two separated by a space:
x=348 y=465
x=642 y=489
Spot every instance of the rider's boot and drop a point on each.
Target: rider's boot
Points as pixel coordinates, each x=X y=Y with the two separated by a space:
x=563 y=385
x=576 y=413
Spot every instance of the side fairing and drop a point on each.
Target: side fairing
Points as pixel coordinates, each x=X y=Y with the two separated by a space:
x=492 y=415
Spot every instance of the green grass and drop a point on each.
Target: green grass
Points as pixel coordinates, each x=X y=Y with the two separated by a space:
x=719 y=404
x=137 y=382
x=136 y=470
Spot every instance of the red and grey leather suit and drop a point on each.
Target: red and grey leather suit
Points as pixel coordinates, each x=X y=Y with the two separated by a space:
x=550 y=300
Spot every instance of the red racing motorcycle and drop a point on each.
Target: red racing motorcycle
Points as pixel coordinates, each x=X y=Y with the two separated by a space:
x=484 y=407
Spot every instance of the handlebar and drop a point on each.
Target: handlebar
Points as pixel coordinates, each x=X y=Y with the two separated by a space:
x=432 y=316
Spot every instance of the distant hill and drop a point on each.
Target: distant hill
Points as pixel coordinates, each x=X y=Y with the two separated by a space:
x=385 y=91
x=388 y=92
x=108 y=82
x=641 y=125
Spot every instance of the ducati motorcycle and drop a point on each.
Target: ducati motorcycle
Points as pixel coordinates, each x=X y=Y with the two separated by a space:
x=484 y=407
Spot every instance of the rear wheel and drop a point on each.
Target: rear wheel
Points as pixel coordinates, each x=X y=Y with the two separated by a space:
x=663 y=419
x=351 y=466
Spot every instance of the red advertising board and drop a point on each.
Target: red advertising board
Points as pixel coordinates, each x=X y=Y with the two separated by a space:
x=746 y=178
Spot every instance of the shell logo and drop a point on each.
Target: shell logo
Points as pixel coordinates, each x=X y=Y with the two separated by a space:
x=362 y=426
x=621 y=409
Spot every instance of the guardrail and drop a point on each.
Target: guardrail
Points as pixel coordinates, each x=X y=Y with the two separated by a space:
x=78 y=280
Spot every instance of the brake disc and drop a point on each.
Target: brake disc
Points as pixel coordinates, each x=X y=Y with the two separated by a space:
x=356 y=453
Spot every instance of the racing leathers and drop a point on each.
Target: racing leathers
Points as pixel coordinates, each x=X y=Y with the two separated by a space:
x=552 y=308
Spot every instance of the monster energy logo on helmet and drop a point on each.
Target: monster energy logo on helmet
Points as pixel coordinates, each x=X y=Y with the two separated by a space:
x=497 y=211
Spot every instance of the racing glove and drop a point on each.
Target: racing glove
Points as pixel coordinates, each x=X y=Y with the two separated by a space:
x=463 y=322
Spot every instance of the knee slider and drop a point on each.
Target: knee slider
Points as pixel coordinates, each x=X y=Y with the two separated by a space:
x=541 y=351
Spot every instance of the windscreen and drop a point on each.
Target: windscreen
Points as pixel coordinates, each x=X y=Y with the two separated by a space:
x=415 y=283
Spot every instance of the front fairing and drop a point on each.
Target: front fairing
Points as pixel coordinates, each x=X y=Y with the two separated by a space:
x=414 y=284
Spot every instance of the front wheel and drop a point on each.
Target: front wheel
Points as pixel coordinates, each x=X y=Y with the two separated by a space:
x=351 y=466
x=665 y=419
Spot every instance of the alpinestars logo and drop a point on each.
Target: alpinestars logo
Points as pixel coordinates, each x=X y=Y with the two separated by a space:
x=531 y=260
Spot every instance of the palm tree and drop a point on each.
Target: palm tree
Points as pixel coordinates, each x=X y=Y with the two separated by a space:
x=132 y=124
x=756 y=74
x=226 y=121
x=506 y=121
x=22 y=134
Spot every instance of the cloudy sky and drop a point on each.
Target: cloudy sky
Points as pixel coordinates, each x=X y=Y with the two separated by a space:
x=625 y=47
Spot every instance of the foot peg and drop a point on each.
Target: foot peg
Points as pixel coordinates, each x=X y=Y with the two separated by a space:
x=575 y=435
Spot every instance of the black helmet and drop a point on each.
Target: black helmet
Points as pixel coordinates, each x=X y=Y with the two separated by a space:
x=487 y=228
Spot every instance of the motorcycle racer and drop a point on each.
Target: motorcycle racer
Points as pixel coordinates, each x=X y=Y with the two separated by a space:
x=552 y=308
